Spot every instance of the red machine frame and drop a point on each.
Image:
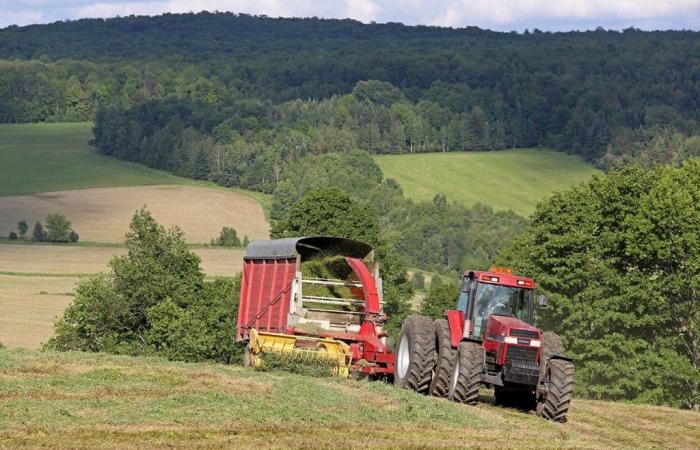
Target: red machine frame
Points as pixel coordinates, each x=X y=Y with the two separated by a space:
x=267 y=288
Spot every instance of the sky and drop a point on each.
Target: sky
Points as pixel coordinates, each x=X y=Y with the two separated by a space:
x=501 y=15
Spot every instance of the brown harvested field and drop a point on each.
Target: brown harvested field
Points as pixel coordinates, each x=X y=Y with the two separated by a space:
x=37 y=283
x=103 y=214
x=29 y=306
x=76 y=260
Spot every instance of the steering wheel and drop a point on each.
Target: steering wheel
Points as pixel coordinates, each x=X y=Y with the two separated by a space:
x=502 y=307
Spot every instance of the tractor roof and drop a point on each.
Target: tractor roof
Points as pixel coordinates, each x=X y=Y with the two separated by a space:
x=501 y=277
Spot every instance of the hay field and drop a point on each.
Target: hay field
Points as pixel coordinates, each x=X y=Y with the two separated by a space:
x=504 y=180
x=103 y=214
x=37 y=283
x=100 y=401
x=29 y=307
x=40 y=157
x=80 y=261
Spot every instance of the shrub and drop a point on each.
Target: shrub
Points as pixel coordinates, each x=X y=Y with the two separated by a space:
x=12 y=236
x=58 y=228
x=38 y=234
x=22 y=227
x=228 y=238
x=73 y=236
x=153 y=301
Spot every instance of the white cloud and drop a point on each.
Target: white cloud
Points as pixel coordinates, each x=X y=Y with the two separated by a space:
x=496 y=14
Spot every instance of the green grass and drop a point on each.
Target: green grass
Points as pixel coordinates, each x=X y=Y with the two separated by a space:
x=56 y=156
x=81 y=400
x=509 y=179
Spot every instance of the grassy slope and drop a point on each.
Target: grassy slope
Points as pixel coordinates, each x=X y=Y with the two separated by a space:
x=509 y=179
x=52 y=157
x=101 y=401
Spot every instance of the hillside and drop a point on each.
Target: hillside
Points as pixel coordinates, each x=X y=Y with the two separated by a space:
x=56 y=156
x=456 y=88
x=100 y=401
x=37 y=282
x=508 y=179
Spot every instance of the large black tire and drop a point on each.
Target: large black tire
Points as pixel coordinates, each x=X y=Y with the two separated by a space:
x=414 y=358
x=559 y=379
x=445 y=362
x=467 y=373
x=551 y=346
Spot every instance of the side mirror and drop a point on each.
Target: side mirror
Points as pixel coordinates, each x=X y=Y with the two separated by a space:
x=542 y=300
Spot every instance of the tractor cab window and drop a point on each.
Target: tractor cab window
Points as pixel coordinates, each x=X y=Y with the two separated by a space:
x=501 y=301
x=463 y=302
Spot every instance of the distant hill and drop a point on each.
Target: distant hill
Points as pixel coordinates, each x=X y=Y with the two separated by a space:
x=508 y=179
x=470 y=88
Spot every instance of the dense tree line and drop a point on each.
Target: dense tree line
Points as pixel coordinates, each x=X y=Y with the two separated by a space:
x=620 y=259
x=466 y=88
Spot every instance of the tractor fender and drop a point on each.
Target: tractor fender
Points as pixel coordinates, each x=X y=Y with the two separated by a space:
x=455 y=319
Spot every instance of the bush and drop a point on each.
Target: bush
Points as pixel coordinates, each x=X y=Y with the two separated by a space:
x=12 y=236
x=58 y=228
x=228 y=238
x=153 y=301
x=73 y=236
x=38 y=234
x=22 y=227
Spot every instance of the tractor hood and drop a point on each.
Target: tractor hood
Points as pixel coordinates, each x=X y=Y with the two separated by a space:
x=499 y=324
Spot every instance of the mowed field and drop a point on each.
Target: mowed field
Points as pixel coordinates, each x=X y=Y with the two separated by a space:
x=37 y=283
x=41 y=157
x=504 y=180
x=96 y=401
x=103 y=214
x=48 y=168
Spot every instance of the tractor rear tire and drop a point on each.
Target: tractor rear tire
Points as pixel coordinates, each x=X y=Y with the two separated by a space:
x=467 y=373
x=559 y=377
x=415 y=355
x=446 y=359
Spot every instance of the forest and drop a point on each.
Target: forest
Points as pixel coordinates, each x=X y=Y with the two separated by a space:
x=606 y=95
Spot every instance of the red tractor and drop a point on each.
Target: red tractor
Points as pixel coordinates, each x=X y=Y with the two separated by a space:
x=488 y=339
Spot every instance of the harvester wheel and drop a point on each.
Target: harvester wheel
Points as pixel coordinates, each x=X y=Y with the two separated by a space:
x=248 y=356
x=446 y=359
x=467 y=373
x=559 y=385
x=413 y=366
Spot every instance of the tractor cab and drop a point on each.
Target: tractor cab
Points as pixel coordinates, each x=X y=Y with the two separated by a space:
x=496 y=294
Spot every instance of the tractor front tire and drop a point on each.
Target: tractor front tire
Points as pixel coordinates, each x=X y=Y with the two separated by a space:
x=446 y=360
x=559 y=379
x=467 y=373
x=415 y=354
